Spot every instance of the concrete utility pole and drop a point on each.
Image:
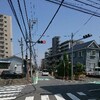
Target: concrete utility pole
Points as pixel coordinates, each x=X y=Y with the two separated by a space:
x=30 y=45
x=31 y=23
x=26 y=57
x=21 y=44
x=72 y=57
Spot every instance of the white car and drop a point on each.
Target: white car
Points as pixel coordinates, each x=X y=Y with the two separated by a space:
x=45 y=72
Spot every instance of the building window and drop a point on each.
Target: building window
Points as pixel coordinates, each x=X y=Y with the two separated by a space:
x=1 y=29
x=6 y=43
x=74 y=54
x=5 y=17
x=93 y=52
x=5 y=34
x=80 y=54
x=5 y=30
x=5 y=21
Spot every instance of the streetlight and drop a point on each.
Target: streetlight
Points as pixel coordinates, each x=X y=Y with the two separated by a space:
x=84 y=37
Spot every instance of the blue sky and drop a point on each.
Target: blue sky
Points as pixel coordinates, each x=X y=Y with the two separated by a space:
x=66 y=22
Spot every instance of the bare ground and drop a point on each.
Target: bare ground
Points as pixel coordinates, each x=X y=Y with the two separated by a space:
x=21 y=81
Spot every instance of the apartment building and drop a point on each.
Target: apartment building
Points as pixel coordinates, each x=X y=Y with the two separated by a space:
x=5 y=36
x=55 y=45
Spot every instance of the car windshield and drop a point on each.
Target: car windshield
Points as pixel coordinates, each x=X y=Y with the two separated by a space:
x=45 y=70
x=7 y=72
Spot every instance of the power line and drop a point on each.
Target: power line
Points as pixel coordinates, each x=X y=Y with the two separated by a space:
x=50 y=22
x=83 y=25
x=87 y=4
x=14 y=13
x=22 y=15
x=26 y=12
x=17 y=20
x=74 y=7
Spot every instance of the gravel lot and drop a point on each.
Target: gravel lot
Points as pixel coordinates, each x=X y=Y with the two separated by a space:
x=20 y=81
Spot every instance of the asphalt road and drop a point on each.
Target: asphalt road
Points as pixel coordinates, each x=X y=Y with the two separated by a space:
x=49 y=88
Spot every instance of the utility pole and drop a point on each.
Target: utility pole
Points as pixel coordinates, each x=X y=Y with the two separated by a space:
x=21 y=44
x=72 y=57
x=30 y=45
x=31 y=23
x=26 y=57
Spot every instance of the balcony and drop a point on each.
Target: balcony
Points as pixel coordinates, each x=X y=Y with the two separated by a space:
x=1 y=20
x=92 y=56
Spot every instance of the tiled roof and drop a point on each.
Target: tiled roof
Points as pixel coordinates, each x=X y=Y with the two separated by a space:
x=80 y=46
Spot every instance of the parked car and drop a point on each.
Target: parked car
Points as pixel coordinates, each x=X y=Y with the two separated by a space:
x=45 y=72
x=7 y=74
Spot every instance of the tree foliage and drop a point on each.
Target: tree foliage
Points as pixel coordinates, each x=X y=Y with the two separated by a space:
x=79 y=68
x=64 y=68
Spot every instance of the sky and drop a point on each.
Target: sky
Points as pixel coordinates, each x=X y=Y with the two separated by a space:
x=67 y=21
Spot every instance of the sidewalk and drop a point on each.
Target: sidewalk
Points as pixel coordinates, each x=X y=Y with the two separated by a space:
x=84 y=80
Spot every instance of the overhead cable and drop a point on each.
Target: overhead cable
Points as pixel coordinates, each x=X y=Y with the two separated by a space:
x=87 y=4
x=50 y=21
x=22 y=15
x=26 y=12
x=14 y=13
x=74 y=7
x=93 y=2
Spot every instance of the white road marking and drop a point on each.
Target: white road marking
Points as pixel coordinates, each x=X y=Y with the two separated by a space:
x=81 y=93
x=59 y=97
x=29 y=98
x=73 y=97
x=45 y=97
x=7 y=95
x=11 y=91
x=8 y=98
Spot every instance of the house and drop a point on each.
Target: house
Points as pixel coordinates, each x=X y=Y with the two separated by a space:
x=16 y=64
x=12 y=63
x=4 y=65
x=87 y=54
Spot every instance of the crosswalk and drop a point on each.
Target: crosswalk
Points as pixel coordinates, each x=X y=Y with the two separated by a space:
x=10 y=92
x=69 y=96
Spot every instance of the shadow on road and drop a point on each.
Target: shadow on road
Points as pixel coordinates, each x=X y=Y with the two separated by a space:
x=61 y=89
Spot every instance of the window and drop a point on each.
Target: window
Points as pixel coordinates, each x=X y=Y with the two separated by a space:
x=80 y=54
x=1 y=29
x=5 y=21
x=5 y=17
x=5 y=34
x=1 y=25
x=93 y=52
x=6 y=43
x=74 y=54
x=1 y=16
x=5 y=30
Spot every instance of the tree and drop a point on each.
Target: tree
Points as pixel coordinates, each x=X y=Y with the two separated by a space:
x=63 y=68
x=79 y=69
